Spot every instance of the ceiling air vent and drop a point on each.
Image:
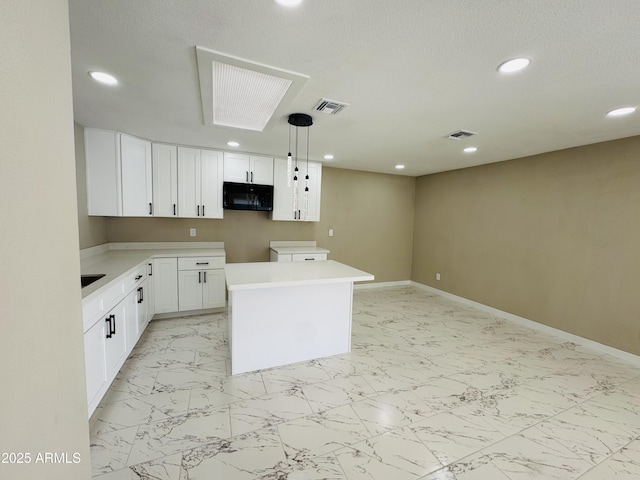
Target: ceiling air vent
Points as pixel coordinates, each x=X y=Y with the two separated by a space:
x=461 y=134
x=330 y=106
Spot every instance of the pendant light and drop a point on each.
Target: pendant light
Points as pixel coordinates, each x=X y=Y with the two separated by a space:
x=299 y=120
x=289 y=160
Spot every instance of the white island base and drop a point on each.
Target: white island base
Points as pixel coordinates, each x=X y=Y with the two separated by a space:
x=282 y=313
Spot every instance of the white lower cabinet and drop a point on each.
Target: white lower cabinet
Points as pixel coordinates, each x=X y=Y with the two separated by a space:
x=95 y=363
x=132 y=312
x=109 y=337
x=116 y=335
x=213 y=289
x=145 y=304
x=201 y=283
x=165 y=284
x=296 y=257
x=131 y=301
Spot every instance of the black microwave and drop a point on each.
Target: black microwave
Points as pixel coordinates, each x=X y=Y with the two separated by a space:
x=247 y=196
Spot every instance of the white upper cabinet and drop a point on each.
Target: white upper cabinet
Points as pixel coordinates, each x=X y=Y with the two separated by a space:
x=243 y=168
x=165 y=180
x=199 y=183
x=104 y=185
x=119 y=180
x=211 y=167
x=137 y=194
x=283 y=208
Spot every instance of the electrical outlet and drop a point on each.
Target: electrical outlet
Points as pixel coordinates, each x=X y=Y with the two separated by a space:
x=192 y=232
x=331 y=232
x=438 y=276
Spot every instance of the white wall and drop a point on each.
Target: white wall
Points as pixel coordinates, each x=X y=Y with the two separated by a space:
x=43 y=400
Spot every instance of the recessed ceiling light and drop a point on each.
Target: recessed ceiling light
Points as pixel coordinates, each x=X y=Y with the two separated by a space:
x=399 y=167
x=514 y=65
x=105 y=78
x=233 y=144
x=470 y=150
x=328 y=157
x=619 y=112
x=289 y=3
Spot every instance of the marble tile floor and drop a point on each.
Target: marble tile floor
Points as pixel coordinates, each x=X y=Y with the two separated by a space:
x=432 y=390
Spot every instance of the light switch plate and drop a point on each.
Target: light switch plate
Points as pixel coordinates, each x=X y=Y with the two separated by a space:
x=192 y=232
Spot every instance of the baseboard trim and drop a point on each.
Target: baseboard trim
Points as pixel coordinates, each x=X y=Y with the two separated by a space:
x=570 y=337
x=366 y=286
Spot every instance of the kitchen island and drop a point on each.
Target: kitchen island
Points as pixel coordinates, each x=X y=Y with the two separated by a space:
x=282 y=313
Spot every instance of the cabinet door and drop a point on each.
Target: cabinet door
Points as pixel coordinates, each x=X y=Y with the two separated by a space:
x=190 y=290
x=165 y=284
x=188 y=182
x=116 y=344
x=236 y=167
x=165 y=180
x=282 y=194
x=213 y=288
x=137 y=195
x=211 y=178
x=261 y=170
x=102 y=157
x=142 y=315
x=315 y=190
x=95 y=363
x=131 y=320
x=149 y=298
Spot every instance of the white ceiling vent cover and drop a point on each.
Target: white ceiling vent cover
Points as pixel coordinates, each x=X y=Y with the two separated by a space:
x=461 y=134
x=330 y=106
x=237 y=93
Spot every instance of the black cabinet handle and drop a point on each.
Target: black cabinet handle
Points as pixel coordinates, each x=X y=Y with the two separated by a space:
x=151 y=269
x=203 y=210
x=113 y=332
x=251 y=177
x=199 y=277
x=138 y=277
x=205 y=277
x=140 y=293
x=150 y=209
x=108 y=320
x=174 y=209
x=202 y=263
x=246 y=176
x=198 y=210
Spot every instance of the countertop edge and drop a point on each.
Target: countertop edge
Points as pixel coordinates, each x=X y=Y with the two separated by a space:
x=293 y=283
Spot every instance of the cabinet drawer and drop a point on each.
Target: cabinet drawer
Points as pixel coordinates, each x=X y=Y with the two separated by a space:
x=200 y=263
x=93 y=309
x=134 y=277
x=304 y=257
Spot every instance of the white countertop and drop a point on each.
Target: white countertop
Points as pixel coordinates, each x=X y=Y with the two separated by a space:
x=246 y=276
x=118 y=259
x=295 y=250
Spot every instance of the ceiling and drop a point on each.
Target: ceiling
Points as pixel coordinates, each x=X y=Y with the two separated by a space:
x=412 y=72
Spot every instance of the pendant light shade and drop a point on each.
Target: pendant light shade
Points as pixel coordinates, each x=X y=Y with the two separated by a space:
x=298 y=120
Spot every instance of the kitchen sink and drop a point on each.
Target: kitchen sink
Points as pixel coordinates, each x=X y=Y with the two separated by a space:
x=86 y=280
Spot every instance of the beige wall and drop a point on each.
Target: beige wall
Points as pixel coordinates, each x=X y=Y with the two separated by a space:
x=43 y=405
x=371 y=215
x=93 y=230
x=553 y=238
x=372 y=218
